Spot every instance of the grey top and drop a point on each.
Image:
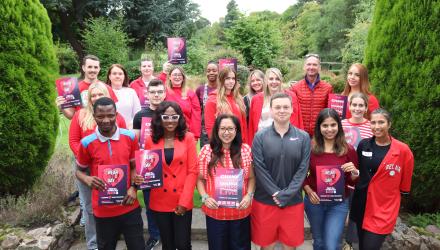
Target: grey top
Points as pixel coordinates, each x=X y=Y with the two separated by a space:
x=281 y=164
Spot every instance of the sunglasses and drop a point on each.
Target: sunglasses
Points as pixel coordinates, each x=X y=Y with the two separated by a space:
x=166 y=118
x=312 y=55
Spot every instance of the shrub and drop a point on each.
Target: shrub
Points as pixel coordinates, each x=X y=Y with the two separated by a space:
x=67 y=58
x=106 y=40
x=403 y=58
x=28 y=116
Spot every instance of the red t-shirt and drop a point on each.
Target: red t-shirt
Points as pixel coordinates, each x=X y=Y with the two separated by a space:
x=84 y=90
x=96 y=150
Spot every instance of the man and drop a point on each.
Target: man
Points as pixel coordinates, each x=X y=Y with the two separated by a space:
x=312 y=92
x=90 y=66
x=156 y=94
x=140 y=85
x=281 y=159
x=110 y=145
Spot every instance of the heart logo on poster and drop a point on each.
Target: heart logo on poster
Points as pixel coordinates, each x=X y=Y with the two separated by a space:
x=351 y=135
x=150 y=161
x=112 y=176
x=330 y=176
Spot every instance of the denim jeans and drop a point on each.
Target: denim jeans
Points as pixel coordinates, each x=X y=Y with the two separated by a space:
x=153 y=230
x=85 y=197
x=229 y=234
x=326 y=223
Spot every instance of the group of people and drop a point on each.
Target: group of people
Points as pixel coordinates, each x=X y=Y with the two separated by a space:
x=276 y=137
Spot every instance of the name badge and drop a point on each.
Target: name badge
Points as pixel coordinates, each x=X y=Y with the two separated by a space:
x=367 y=154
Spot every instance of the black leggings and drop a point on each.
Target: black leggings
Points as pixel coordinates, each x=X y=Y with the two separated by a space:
x=175 y=230
x=369 y=240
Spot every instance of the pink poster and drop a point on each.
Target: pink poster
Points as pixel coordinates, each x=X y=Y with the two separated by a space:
x=145 y=130
x=228 y=62
x=115 y=179
x=67 y=87
x=176 y=50
x=228 y=187
x=338 y=103
x=149 y=166
x=330 y=183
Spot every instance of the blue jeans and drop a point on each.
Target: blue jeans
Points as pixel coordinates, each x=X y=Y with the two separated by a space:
x=229 y=234
x=153 y=230
x=326 y=223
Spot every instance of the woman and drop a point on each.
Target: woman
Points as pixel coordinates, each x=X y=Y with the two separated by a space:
x=386 y=167
x=172 y=203
x=203 y=92
x=226 y=100
x=259 y=115
x=178 y=92
x=329 y=148
x=228 y=227
x=128 y=102
x=357 y=82
x=358 y=106
x=255 y=85
x=82 y=125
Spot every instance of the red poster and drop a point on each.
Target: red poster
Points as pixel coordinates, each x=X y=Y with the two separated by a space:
x=145 y=130
x=68 y=88
x=115 y=179
x=228 y=187
x=149 y=166
x=330 y=183
x=176 y=50
x=227 y=62
x=338 y=103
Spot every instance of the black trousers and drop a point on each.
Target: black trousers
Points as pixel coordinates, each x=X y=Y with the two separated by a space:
x=175 y=230
x=130 y=225
x=369 y=240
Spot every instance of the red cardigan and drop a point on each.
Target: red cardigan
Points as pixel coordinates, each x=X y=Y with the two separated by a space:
x=190 y=107
x=179 y=178
x=255 y=114
x=211 y=114
x=312 y=102
x=76 y=133
x=373 y=104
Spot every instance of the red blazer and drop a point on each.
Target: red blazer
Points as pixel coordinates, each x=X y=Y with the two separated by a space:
x=179 y=178
x=373 y=104
x=255 y=114
x=383 y=198
x=312 y=102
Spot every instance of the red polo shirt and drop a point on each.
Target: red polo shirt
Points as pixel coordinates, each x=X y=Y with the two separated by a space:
x=95 y=150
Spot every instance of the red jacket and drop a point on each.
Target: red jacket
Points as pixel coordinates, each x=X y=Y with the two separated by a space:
x=311 y=102
x=211 y=114
x=255 y=114
x=139 y=86
x=383 y=197
x=179 y=178
x=190 y=107
x=373 y=104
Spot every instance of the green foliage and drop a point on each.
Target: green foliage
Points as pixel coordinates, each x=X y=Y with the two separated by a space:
x=28 y=116
x=232 y=14
x=403 y=59
x=423 y=220
x=258 y=40
x=106 y=40
x=67 y=58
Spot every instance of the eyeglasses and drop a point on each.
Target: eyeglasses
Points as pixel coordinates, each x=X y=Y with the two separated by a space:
x=167 y=118
x=312 y=55
x=157 y=92
x=176 y=75
x=230 y=129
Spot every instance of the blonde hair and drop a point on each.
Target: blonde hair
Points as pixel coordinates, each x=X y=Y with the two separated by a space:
x=223 y=106
x=266 y=89
x=258 y=74
x=86 y=119
x=183 y=87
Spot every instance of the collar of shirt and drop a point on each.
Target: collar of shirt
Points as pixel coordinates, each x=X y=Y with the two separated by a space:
x=276 y=132
x=312 y=85
x=115 y=136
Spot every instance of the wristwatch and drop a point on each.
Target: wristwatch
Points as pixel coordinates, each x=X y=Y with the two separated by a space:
x=204 y=197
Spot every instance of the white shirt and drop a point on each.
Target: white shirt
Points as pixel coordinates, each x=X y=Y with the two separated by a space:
x=128 y=104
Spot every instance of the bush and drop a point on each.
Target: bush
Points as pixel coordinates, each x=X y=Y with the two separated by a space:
x=67 y=58
x=28 y=116
x=403 y=58
x=106 y=40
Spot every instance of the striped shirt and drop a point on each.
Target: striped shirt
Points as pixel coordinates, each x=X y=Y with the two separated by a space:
x=364 y=127
x=246 y=162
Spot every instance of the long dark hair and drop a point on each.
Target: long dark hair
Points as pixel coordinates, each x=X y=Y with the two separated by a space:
x=217 y=145
x=340 y=146
x=156 y=122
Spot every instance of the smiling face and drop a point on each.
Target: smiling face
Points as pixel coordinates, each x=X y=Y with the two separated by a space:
x=354 y=77
x=380 y=126
x=227 y=132
x=95 y=94
x=358 y=108
x=212 y=72
x=281 y=110
x=116 y=77
x=170 y=124
x=329 y=128
x=176 y=78
x=156 y=94
x=312 y=66
x=230 y=82
x=91 y=70
x=256 y=83
x=147 y=69
x=105 y=117
x=273 y=83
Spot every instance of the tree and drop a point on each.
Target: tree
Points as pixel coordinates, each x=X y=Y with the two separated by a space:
x=232 y=14
x=403 y=57
x=258 y=40
x=28 y=116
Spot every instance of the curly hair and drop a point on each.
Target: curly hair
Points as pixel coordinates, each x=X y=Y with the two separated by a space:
x=217 y=145
x=157 y=126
